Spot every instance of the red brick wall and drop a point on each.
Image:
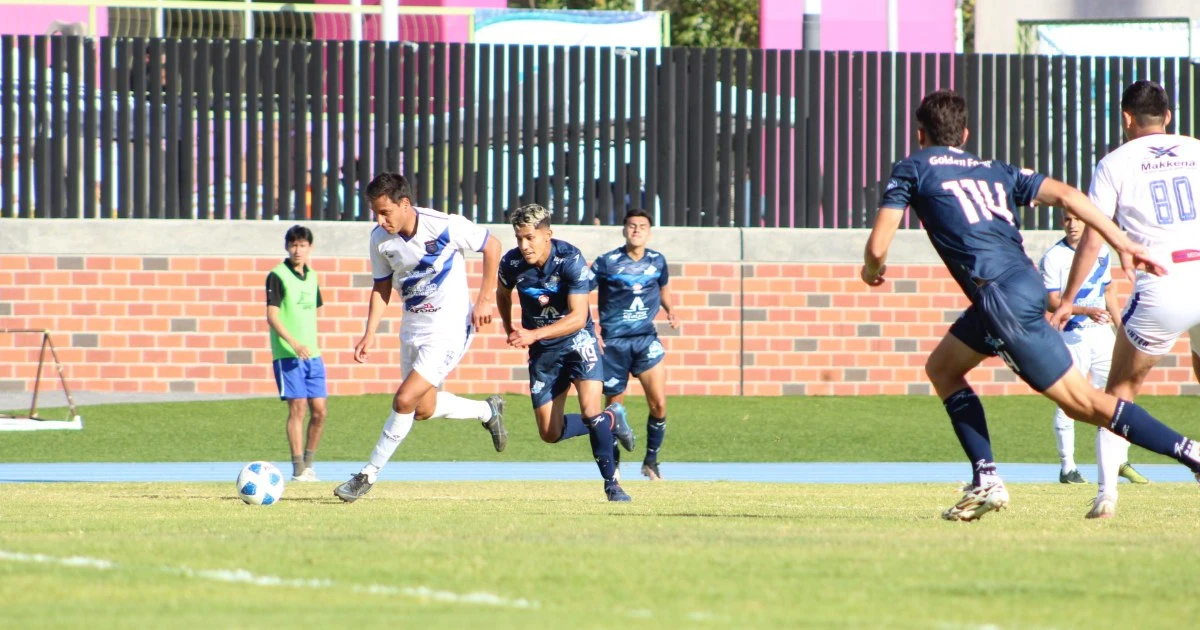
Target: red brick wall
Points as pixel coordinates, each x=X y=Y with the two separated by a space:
x=187 y=324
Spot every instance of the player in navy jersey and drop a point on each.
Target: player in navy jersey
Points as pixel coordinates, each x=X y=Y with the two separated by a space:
x=552 y=280
x=632 y=283
x=966 y=205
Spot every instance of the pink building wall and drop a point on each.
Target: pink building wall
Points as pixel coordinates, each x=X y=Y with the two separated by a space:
x=924 y=25
x=35 y=20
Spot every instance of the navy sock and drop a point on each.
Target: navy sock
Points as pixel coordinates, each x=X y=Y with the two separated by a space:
x=970 y=425
x=655 y=429
x=573 y=426
x=601 y=434
x=1139 y=427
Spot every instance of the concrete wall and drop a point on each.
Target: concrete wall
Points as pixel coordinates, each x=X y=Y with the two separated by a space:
x=164 y=306
x=996 y=20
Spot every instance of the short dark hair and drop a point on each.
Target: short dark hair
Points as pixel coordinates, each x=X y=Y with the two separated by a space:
x=392 y=185
x=637 y=212
x=297 y=233
x=1147 y=102
x=943 y=116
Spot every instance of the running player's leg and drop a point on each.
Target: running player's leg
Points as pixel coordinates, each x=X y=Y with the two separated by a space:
x=649 y=371
x=437 y=359
x=414 y=390
x=962 y=348
x=1038 y=355
x=616 y=361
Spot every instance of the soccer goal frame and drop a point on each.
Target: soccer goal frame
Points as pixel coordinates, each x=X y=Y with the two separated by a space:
x=32 y=421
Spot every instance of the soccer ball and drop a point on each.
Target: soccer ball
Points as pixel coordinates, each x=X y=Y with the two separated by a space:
x=260 y=483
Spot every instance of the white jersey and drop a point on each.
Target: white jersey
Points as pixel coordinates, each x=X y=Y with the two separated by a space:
x=1151 y=186
x=1056 y=268
x=428 y=270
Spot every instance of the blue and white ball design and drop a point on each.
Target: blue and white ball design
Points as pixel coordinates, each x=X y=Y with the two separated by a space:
x=260 y=483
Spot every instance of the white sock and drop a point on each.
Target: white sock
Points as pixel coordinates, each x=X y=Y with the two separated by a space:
x=394 y=431
x=1064 y=433
x=1112 y=450
x=459 y=408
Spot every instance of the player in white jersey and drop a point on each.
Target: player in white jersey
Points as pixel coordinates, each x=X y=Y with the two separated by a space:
x=1150 y=185
x=418 y=252
x=1090 y=339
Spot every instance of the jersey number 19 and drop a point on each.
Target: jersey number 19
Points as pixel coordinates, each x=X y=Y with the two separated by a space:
x=977 y=201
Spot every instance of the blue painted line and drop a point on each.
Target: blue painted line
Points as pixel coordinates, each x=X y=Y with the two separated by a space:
x=873 y=472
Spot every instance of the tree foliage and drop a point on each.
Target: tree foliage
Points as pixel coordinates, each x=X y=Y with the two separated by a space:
x=699 y=23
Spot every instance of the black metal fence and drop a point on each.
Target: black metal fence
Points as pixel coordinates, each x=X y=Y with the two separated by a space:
x=226 y=129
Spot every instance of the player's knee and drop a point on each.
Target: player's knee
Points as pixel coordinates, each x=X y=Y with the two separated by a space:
x=549 y=435
x=404 y=404
x=658 y=407
x=317 y=417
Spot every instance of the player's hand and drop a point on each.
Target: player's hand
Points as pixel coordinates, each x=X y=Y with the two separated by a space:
x=361 y=348
x=1097 y=314
x=482 y=314
x=302 y=351
x=600 y=343
x=873 y=280
x=1061 y=315
x=1135 y=257
x=521 y=338
x=673 y=320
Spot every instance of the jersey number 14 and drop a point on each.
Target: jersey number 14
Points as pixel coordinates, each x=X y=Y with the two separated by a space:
x=977 y=201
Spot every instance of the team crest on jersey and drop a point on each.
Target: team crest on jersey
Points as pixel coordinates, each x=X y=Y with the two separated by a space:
x=1160 y=152
x=637 y=289
x=431 y=247
x=543 y=299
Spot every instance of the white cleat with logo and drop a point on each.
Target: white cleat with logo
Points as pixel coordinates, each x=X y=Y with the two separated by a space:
x=989 y=496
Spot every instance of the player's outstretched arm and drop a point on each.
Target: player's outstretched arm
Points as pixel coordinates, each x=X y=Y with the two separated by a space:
x=486 y=302
x=887 y=221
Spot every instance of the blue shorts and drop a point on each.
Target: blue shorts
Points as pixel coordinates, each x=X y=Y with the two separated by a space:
x=300 y=379
x=1008 y=319
x=552 y=370
x=629 y=355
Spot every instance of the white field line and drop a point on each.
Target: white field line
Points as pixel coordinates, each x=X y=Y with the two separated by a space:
x=242 y=576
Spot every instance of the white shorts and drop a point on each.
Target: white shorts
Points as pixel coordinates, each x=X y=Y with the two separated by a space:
x=1091 y=349
x=1162 y=308
x=433 y=355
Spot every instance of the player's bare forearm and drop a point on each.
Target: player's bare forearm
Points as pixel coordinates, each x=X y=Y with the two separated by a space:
x=381 y=294
x=277 y=326
x=1110 y=303
x=1055 y=193
x=504 y=305
x=887 y=221
x=491 y=264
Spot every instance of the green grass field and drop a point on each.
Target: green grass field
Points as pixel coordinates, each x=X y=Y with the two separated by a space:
x=700 y=429
x=555 y=555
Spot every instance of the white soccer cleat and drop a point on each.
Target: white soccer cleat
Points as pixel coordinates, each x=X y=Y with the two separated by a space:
x=977 y=501
x=308 y=474
x=1105 y=506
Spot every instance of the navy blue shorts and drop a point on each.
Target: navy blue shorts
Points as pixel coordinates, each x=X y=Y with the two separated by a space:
x=629 y=355
x=552 y=370
x=1008 y=319
x=297 y=378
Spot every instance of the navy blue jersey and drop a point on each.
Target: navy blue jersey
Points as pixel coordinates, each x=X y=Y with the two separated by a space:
x=543 y=292
x=630 y=292
x=966 y=205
